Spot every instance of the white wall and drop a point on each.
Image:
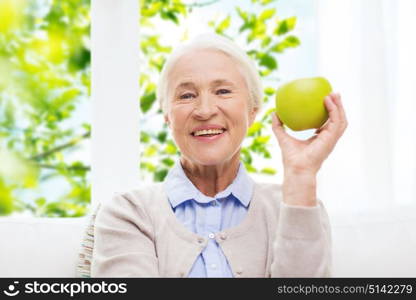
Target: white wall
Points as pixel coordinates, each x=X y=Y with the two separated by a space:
x=366 y=49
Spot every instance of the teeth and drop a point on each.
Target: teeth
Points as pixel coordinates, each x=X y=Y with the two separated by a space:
x=208 y=131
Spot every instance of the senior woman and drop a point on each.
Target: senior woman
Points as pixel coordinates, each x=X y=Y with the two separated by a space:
x=209 y=218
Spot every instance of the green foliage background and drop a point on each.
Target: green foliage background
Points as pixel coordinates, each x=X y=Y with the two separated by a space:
x=266 y=36
x=44 y=79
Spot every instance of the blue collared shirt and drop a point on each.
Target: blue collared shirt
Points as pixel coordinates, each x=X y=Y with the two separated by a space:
x=206 y=216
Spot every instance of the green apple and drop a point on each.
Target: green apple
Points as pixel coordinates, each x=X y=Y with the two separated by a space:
x=300 y=103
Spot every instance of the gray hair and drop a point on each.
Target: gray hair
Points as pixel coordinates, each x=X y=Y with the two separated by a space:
x=228 y=47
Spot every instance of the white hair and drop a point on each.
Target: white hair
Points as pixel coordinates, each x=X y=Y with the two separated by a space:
x=215 y=42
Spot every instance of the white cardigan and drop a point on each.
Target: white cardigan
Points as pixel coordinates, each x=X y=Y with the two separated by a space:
x=137 y=235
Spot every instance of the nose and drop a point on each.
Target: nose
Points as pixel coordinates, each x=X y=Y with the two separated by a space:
x=205 y=107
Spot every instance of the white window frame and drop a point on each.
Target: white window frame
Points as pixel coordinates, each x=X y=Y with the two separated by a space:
x=115 y=94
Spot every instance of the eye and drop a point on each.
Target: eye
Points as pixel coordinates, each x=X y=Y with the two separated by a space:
x=223 y=91
x=186 y=96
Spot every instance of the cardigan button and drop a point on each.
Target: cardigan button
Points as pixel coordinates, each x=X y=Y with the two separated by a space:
x=200 y=240
x=223 y=236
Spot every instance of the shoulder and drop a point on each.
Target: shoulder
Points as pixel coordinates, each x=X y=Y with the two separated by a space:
x=125 y=212
x=263 y=190
x=142 y=200
x=271 y=193
x=144 y=196
x=143 y=193
x=266 y=187
x=268 y=196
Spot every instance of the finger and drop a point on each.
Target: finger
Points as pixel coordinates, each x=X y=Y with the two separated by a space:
x=311 y=139
x=332 y=123
x=338 y=113
x=341 y=123
x=323 y=127
x=335 y=126
x=276 y=123
x=278 y=129
x=333 y=112
x=341 y=109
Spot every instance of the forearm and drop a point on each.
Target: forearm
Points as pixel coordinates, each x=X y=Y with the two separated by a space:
x=303 y=243
x=299 y=188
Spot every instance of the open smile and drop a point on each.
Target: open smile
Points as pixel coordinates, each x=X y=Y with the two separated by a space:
x=208 y=135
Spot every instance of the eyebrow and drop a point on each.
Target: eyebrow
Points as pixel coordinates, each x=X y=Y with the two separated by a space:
x=216 y=82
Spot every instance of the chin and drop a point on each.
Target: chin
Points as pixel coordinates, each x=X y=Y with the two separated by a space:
x=211 y=159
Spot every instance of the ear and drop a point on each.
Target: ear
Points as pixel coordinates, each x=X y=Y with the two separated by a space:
x=167 y=121
x=252 y=115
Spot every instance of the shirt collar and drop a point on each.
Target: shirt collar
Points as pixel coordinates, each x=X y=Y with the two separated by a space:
x=180 y=189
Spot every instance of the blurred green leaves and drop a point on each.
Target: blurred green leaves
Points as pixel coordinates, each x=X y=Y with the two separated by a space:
x=44 y=81
x=266 y=36
x=6 y=196
x=149 y=97
x=223 y=25
x=284 y=26
x=20 y=171
x=10 y=15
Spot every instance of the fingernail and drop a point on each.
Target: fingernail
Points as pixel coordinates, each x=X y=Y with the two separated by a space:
x=330 y=100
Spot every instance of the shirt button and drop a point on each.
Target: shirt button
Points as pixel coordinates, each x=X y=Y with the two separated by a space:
x=223 y=236
x=200 y=240
x=213 y=203
x=213 y=266
x=211 y=235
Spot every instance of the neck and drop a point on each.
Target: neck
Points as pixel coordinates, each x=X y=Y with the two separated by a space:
x=211 y=180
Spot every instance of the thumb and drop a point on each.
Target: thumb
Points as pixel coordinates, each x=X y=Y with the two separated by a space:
x=278 y=129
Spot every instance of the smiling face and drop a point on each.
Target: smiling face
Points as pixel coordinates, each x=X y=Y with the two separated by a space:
x=208 y=109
